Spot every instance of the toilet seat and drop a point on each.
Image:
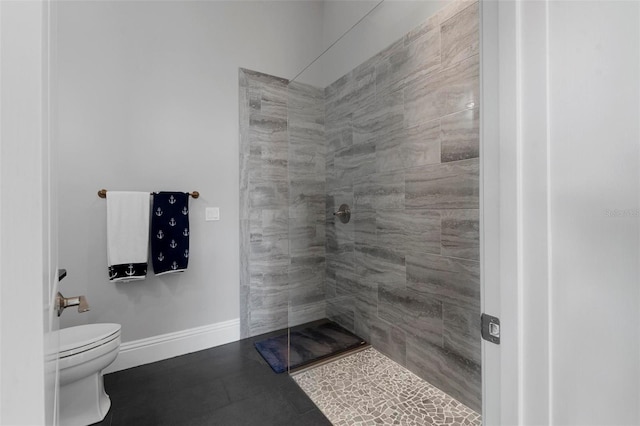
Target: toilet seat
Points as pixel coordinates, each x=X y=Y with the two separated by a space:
x=75 y=340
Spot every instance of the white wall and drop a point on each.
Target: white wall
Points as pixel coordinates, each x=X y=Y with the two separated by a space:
x=27 y=241
x=148 y=100
x=384 y=25
x=594 y=106
x=338 y=16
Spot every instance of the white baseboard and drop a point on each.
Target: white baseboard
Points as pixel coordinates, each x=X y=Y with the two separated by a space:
x=164 y=346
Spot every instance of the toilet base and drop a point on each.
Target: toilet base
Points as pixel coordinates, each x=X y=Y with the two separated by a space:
x=84 y=402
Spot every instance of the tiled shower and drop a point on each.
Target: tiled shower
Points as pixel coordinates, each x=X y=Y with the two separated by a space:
x=396 y=139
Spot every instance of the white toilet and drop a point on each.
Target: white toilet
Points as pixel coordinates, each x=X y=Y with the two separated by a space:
x=85 y=351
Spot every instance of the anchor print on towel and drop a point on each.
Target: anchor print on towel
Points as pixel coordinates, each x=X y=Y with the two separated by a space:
x=130 y=270
x=170 y=233
x=112 y=273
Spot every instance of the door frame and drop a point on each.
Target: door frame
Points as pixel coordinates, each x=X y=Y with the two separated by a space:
x=515 y=216
x=28 y=230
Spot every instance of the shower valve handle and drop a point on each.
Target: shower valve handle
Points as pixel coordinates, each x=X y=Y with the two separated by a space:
x=343 y=213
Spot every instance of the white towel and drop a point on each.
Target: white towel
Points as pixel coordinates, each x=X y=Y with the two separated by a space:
x=127 y=235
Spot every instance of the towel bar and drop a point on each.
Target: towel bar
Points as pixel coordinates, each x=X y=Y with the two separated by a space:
x=103 y=193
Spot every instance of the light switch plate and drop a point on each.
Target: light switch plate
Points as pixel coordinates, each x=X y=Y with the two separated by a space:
x=212 y=213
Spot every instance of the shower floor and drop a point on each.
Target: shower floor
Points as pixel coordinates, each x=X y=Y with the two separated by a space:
x=367 y=388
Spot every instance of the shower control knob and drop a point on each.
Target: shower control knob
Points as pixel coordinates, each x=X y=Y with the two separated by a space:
x=343 y=213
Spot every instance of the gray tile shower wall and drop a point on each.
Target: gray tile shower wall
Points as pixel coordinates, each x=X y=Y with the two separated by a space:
x=264 y=203
x=402 y=150
x=282 y=203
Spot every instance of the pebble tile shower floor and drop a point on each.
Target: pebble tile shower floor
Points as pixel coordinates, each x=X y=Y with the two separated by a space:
x=367 y=388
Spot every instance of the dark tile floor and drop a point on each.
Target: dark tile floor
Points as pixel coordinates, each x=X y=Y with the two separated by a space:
x=226 y=385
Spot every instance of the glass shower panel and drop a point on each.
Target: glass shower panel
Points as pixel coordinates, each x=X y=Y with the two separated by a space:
x=336 y=260
x=311 y=219
x=384 y=125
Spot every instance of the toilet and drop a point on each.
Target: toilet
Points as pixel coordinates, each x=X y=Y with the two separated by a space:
x=85 y=351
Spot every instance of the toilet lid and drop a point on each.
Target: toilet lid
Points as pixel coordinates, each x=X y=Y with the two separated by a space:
x=84 y=337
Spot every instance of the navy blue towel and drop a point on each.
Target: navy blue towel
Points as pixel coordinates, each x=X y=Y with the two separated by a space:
x=170 y=232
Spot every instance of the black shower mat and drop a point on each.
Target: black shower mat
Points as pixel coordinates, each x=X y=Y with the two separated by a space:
x=309 y=344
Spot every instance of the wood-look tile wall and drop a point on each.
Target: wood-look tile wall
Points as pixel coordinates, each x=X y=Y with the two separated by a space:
x=264 y=203
x=402 y=150
x=282 y=203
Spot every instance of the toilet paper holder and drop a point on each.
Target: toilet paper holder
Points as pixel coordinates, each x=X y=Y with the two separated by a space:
x=65 y=302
